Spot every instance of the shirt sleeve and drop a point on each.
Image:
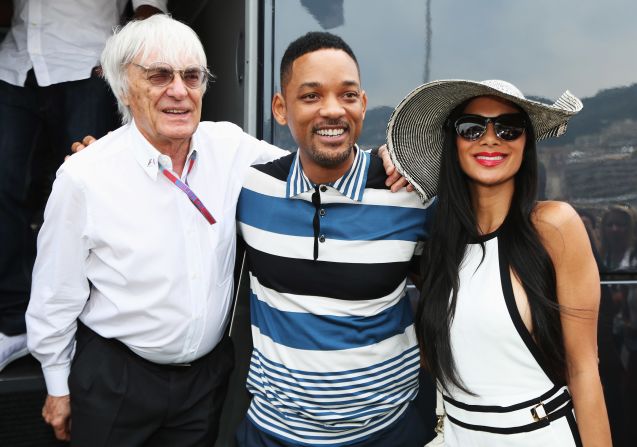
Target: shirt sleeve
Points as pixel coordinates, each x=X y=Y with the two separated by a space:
x=159 y=4
x=60 y=287
x=261 y=151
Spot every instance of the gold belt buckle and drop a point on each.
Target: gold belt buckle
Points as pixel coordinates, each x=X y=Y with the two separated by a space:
x=539 y=413
x=440 y=422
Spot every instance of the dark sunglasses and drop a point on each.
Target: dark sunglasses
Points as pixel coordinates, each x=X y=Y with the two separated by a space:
x=508 y=127
x=161 y=74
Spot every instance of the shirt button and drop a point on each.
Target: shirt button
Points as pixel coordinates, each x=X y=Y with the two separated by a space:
x=322 y=212
x=322 y=238
x=323 y=188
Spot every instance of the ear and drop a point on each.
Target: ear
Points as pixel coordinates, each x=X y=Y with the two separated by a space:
x=279 y=110
x=364 y=102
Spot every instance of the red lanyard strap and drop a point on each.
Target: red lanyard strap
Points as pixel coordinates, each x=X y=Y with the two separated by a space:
x=189 y=192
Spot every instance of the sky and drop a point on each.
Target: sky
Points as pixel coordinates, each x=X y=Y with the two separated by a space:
x=542 y=46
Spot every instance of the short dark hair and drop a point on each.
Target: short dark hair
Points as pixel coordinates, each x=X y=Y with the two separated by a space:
x=308 y=43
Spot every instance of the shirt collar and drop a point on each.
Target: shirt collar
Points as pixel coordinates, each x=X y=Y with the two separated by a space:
x=351 y=184
x=149 y=158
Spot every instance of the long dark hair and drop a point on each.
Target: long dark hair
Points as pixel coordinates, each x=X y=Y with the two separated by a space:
x=454 y=227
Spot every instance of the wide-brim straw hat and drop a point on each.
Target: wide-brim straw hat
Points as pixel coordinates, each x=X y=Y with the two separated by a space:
x=415 y=132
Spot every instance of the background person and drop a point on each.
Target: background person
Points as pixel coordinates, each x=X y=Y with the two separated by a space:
x=508 y=315
x=618 y=238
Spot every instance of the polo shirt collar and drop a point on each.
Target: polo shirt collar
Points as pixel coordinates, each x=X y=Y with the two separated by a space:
x=351 y=184
x=149 y=158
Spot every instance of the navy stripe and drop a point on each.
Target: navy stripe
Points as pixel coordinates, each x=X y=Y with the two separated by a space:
x=340 y=280
x=322 y=429
x=301 y=330
x=325 y=421
x=325 y=406
x=402 y=379
x=286 y=399
x=369 y=372
x=342 y=221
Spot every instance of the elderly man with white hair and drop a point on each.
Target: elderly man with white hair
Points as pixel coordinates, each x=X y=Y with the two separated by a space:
x=136 y=254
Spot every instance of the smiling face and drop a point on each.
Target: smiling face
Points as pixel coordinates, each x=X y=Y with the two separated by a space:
x=489 y=160
x=166 y=116
x=324 y=107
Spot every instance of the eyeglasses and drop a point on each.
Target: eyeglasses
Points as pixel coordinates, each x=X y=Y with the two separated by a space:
x=161 y=74
x=508 y=127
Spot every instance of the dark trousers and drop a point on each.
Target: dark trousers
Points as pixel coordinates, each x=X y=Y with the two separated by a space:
x=408 y=431
x=37 y=127
x=119 y=399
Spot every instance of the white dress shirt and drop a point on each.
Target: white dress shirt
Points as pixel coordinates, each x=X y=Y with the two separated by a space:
x=62 y=40
x=117 y=231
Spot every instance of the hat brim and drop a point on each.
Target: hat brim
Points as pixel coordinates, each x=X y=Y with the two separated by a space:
x=415 y=131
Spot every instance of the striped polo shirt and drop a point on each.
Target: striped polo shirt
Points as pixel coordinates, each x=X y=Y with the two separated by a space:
x=335 y=357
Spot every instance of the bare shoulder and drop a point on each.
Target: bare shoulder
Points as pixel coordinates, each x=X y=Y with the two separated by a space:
x=559 y=226
x=554 y=213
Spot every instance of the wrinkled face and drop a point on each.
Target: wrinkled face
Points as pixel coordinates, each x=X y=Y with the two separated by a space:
x=167 y=115
x=489 y=160
x=324 y=107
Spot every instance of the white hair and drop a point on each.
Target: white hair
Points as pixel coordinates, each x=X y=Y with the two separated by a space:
x=171 y=40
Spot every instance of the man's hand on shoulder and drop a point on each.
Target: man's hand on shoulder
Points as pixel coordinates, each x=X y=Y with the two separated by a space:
x=57 y=413
x=395 y=181
x=79 y=145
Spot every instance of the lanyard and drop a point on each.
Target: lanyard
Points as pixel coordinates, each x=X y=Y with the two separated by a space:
x=189 y=192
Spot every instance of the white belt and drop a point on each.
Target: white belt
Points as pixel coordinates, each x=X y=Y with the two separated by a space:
x=523 y=417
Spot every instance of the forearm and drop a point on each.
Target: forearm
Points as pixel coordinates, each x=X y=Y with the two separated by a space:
x=60 y=287
x=590 y=409
x=51 y=325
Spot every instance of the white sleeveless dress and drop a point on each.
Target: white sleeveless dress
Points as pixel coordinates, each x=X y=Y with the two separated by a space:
x=515 y=402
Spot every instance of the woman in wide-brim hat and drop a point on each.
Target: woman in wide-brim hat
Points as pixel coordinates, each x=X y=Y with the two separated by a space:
x=508 y=315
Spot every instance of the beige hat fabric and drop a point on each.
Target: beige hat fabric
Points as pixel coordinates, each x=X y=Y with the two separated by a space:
x=415 y=132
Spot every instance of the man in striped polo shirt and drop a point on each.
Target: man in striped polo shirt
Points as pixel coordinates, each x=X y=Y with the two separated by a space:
x=335 y=358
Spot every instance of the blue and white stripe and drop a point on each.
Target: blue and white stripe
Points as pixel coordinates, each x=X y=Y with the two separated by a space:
x=351 y=185
x=329 y=368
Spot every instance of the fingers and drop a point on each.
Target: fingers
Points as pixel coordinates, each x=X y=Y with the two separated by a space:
x=79 y=145
x=393 y=178
x=63 y=430
x=387 y=163
x=399 y=184
x=76 y=147
x=57 y=413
